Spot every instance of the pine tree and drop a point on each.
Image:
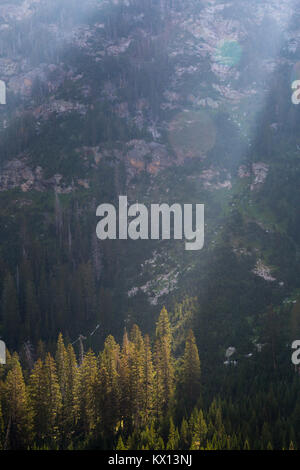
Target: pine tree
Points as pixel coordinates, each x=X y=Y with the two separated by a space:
x=137 y=375
x=158 y=397
x=149 y=439
x=110 y=385
x=163 y=327
x=184 y=435
x=37 y=399
x=191 y=372
x=46 y=402
x=198 y=429
x=148 y=381
x=87 y=385
x=125 y=382
x=18 y=425
x=71 y=401
x=120 y=445
x=167 y=372
x=246 y=445
x=173 y=439
x=159 y=445
x=61 y=364
x=164 y=367
x=67 y=374
x=53 y=398
x=215 y=422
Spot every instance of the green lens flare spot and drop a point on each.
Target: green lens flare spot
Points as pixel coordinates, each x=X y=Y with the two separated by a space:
x=229 y=53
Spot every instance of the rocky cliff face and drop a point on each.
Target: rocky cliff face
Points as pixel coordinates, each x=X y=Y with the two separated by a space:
x=216 y=55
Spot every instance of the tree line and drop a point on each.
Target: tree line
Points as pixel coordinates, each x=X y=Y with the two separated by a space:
x=135 y=395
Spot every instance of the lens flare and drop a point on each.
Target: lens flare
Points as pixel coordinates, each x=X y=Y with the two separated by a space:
x=295 y=74
x=229 y=53
x=192 y=134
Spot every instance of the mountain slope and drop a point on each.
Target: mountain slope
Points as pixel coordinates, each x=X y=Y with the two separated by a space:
x=165 y=102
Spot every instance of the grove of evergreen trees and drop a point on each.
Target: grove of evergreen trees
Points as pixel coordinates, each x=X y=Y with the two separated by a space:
x=136 y=395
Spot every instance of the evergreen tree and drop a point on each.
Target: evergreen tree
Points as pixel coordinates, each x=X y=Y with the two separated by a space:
x=164 y=367
x=46 y=402
x=125 y=381
x=120 y=445
x=191 y=372
x=246 y=445
x=37 y=397
x=61 y=364
x=173 y=439
x=71 y=399
x=67 y=374
x=158 y=382
x=184 y=435
x=110 y=386
x=53 y=397
x=198 y=430
x=148 y=381
x=18 y=422
x=137 y=375
x=163 y=327
x=87 y=385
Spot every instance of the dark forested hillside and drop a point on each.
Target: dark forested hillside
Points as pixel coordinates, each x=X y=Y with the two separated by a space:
x=186 y=102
